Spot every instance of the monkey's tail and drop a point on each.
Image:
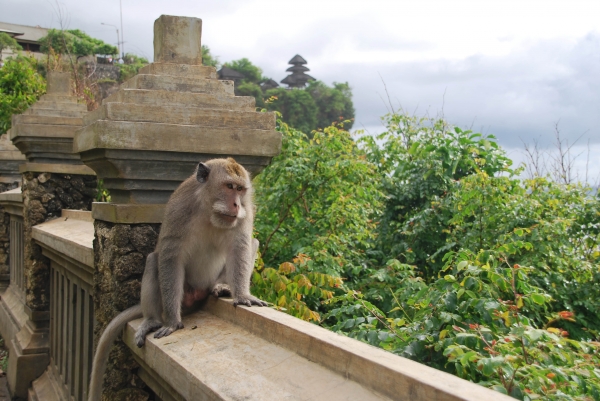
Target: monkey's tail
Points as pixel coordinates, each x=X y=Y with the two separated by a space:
x=106 y=340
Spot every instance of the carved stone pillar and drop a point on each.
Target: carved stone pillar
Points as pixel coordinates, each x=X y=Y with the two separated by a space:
x=54 y=178
x=143 y=142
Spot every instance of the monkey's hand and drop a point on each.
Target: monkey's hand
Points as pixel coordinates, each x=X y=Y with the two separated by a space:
x=166 y=330
x=248 y=300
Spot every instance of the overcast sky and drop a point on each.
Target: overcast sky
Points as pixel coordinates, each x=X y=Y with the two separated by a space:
x=509 y=68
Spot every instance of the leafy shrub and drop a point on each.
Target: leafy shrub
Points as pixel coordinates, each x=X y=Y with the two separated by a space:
x=425 y=244
x=20 y=86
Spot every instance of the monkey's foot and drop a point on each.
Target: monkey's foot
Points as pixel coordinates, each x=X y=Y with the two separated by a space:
x=221 y=290
x=146 y=327
x=248 y=300
x=167 y=330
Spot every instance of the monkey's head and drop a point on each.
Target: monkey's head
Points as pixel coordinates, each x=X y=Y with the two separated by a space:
x=229 y=189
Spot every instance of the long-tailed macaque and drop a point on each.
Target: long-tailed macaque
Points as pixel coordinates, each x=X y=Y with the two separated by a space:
x=205 y=246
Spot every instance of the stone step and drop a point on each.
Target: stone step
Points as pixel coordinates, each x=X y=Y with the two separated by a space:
x=35 y=130
x=180 y=70
x=59 y=106
x=50 y=97
x=53 y=112
x=179 y=84
x=168 y=114
x=52 y=120
x=189 y=99
x=139 y=136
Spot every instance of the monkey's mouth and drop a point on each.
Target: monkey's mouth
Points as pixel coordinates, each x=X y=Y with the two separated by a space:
x=228 y=216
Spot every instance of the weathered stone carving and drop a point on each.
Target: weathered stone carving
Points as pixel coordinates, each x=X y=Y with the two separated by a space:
x=147 y=138
x=44 y=132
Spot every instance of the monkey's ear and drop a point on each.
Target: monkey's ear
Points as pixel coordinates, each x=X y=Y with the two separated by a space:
x=202 y=173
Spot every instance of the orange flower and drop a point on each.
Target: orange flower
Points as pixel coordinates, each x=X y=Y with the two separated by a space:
x=566 y=314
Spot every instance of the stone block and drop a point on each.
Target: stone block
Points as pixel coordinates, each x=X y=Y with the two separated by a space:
x=179 y=84
x=59 y=98
x=188 y=99
x=48 y=120
x=59 y=83
x=177 y=40
x=60 y=106
x=168 y=114
x=180 y=70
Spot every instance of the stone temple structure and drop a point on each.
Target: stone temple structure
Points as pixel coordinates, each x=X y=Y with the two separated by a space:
x=298 y=77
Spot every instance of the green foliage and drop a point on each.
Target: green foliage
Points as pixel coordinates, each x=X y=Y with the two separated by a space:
x=297 y=108
x=445 y=257
x=316 y=198
x=333 y=104
x=293 y=287
x=131 y=66
x=250 y=72
x=208 y=59
x=419 y=161
x=316 y=107
x=20 y=86
x=73 y=42
x=246 y=88
x=6 y=42
x=482 y=321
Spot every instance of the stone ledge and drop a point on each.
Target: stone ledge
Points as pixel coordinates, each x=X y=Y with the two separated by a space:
x=56 y=168
x=277 y=356
x=181 y=70
x=187 y=99
x=12 y=196
x=179 y=84
x=167 y=114
x=128 y=213
x=69 y=236
x=140 y=136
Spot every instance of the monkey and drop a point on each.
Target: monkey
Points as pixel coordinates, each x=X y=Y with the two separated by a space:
x=205 y=246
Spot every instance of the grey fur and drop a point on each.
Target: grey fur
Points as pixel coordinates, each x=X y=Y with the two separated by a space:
x=205 y=245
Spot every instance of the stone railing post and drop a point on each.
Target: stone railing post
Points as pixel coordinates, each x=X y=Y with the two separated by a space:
x=54 y=178
x=10 y=178
x=143 y=142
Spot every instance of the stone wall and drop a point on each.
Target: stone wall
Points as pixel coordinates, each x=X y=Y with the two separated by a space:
x=104 y=71
x=120 y=252
x=44 y=197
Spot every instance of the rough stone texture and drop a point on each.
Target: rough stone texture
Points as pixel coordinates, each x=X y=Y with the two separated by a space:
x=59 y=82
x=177 y=40
x=120 y=252
x=103 y=71
x=44 y=197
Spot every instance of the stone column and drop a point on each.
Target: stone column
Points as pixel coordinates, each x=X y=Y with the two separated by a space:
x=54 y=178
x=143 y=142
x=10 y=178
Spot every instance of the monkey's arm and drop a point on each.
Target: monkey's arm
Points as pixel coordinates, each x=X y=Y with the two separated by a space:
x=240 y=264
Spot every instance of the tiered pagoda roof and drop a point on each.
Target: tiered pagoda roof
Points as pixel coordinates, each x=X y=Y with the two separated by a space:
x=298 y=77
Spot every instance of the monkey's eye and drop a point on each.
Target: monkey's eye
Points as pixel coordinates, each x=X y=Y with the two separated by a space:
x=230 y=186
x=239 y=188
